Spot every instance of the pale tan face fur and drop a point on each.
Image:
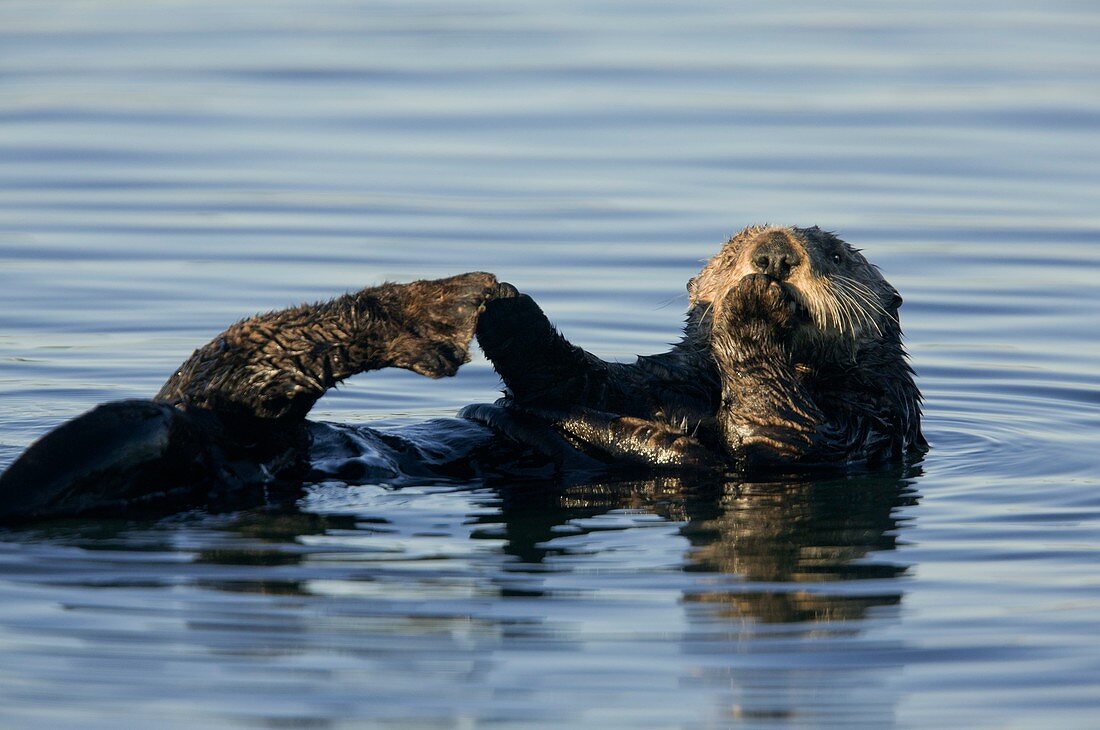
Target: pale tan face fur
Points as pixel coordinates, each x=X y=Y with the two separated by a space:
x=844 y=295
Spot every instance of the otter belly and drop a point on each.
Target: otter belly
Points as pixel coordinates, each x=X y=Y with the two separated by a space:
x=145 y=459
x=358 y=455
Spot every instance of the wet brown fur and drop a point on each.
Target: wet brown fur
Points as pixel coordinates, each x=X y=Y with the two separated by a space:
x=276 y=365
x=802 y=365
x=228 y=429
x=791 y=356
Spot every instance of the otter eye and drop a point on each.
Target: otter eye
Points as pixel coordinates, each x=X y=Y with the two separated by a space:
x=838 y=259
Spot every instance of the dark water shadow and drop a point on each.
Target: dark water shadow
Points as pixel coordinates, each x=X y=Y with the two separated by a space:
x=783 y=544
x=761 y=569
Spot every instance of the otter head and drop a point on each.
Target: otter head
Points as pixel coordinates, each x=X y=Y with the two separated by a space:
x=838 y=303
x=810 y=315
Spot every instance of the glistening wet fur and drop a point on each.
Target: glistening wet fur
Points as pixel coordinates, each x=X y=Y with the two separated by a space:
x=791 y=356
x=791 y=359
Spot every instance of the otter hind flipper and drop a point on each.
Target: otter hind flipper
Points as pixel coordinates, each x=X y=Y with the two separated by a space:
x=436 y=322
x=121 y=457
x=228 y=427
x=277 y=365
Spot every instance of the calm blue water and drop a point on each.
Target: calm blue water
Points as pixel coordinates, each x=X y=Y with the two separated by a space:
x=168 y=167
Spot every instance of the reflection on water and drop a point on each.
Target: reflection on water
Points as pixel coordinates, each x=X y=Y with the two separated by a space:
x=523 y=569
x=796 y=534
x=786 y=534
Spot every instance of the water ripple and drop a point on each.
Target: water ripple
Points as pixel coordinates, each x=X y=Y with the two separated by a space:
x=168 y=168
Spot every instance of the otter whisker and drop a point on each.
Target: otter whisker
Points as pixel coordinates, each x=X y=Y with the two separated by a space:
x=866 y=294
x=851 y=311
x=861 y=313
x=706 y=312
x=860 y=301
x=868 y=300
x=874 y=306
x=843 y=319
x=821 y=306
x=838 y=308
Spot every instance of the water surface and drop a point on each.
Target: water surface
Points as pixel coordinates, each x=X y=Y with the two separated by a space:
x=166 y=168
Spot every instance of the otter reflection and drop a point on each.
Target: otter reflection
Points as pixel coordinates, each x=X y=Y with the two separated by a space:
x=801 y=533
x=782 y=547
x=790 y=538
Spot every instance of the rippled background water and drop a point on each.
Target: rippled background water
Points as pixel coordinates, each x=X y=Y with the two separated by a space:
x=167 y=167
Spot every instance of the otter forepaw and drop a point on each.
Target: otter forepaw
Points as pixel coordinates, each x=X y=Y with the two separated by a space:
x=504 y=290
x=511 y=321
x=760 y=301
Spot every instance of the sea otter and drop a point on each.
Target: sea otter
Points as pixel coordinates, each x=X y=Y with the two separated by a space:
x=791 y=359
x=791 y=356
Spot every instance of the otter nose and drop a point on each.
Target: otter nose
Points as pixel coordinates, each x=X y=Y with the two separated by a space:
x=775 y=257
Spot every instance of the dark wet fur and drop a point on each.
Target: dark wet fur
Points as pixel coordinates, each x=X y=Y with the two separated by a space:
x=277 y=365
x=227 y=430
x=791 y=358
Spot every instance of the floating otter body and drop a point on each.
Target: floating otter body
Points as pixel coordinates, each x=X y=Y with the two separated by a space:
x=791 y=358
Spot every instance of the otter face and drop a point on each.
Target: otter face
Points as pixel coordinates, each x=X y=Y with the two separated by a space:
x=833 y=291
